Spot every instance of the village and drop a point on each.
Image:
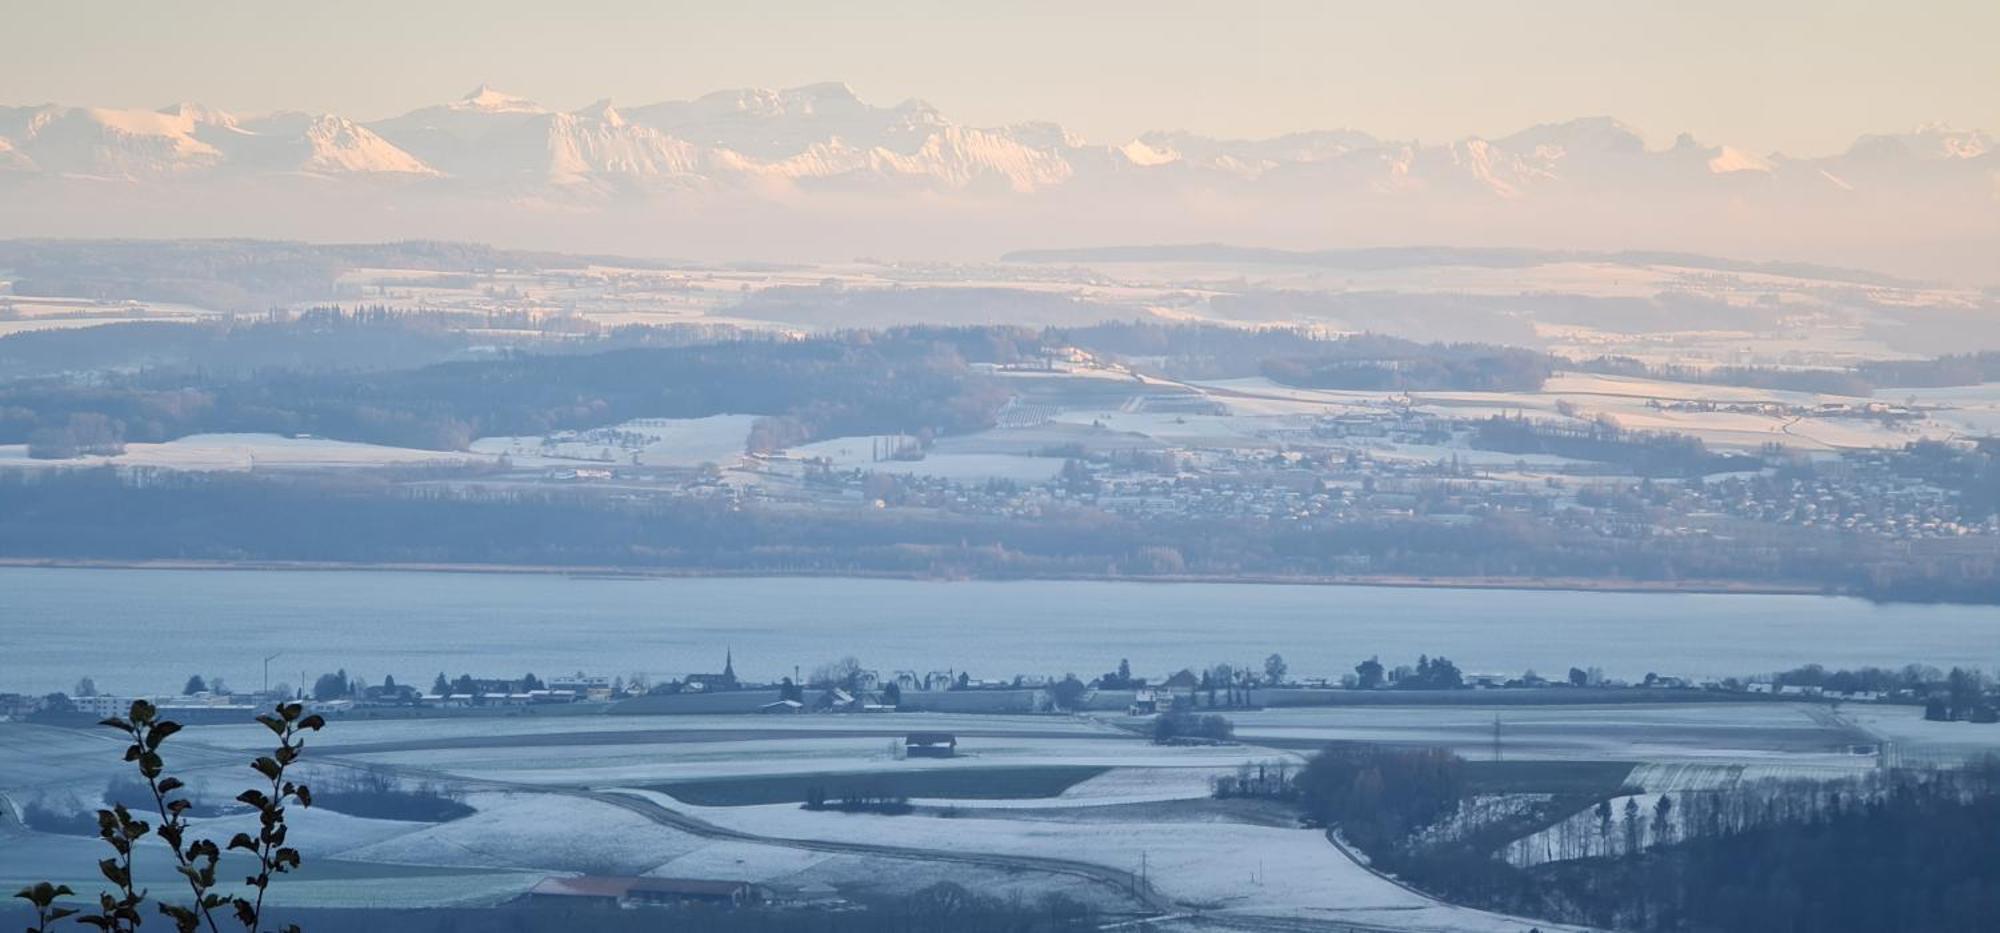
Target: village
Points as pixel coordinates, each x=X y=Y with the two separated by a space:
x=845 y=686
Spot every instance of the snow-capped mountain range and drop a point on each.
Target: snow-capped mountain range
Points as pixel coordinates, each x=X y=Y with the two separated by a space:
x=824 y=135
x=815 y=172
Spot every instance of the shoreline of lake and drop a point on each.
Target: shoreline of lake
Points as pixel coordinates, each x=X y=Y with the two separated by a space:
x=1394 y=581
x=150 y=629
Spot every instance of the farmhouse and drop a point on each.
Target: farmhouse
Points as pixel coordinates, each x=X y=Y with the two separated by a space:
x=930 y=745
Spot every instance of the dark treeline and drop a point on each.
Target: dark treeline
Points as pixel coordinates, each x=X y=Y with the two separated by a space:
x=1862 y=380
x=912 y=380
x=1952 y=370
x=1891 y=851
x=1647 y=454
x=379 y=795
x=1906 y=851
x=1302 y=357
x=360 y=339
x=1973 y=474
x=1378 y=797
x=324 y=338
x=99 y=514
x=857 y=383
x=372 y=375
x=1829 y=381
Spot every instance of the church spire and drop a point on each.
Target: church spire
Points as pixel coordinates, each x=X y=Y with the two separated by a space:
x=729 y=664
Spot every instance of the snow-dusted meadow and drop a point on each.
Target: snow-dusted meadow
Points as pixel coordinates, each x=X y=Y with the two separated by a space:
x=1217 y=866
x=1710 y=733
x=675 y=442
x=236 y=452
x=518 y=772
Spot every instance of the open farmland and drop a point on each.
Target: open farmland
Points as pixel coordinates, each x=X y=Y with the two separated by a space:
x=1028 y=783
x=718 y=796
x=1714 y=732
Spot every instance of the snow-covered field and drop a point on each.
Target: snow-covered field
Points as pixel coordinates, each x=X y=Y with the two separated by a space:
x=517 y=835
x=1222 y=866
x=1913 y=740
x=683 y=442
x=246 y=452
x=673 y=761
x=1670 y=732
x=540 y=834
x=345 y=732
x=1633 y=403
x=1675 y=777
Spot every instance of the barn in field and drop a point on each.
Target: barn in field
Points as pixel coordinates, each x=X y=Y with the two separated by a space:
x=930 y=745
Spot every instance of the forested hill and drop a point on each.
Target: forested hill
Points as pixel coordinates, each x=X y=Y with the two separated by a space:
x=851 y=384
x=910 y=380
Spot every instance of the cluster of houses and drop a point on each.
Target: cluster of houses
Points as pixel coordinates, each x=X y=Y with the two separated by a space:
x=950 y=691
x=193 y=708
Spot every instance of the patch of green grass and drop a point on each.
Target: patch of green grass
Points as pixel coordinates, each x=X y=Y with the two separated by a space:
x=1593 y=779
x=1019 y=783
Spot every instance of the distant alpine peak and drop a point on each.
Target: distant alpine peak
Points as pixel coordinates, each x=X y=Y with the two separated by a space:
x=603 y=112
x=824 y=91
x=1600 y=133
x=1953 y=143
x=487 y=100
x=824 y=138
x=195 y=113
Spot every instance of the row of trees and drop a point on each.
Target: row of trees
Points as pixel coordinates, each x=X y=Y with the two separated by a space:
x=1896 y=851
x=1429 y=674
x=1903 y=850
x=1177 y=727
x=1377 y=797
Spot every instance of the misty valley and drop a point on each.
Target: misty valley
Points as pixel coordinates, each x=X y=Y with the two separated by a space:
x=1308 y=467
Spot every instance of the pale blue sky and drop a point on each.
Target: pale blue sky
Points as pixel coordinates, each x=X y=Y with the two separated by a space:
x=1804 y=76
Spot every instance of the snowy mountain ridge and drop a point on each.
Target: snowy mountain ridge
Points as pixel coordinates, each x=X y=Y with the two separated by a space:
x=824 y=135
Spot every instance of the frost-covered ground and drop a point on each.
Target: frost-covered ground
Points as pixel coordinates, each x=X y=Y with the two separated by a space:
x=1223 y=861
x=1224 y=867
x=1973 y=410
x=542 y=833
x=597 y=750
x=683 y=442
x=1633 y=403
x=1698 y=732
x=39 y=761
x=348 y=732
x=1913 y=740
x=671 y=761
x=535 y=831
x=246 y=452
x=1675 y=777
x=1124 y=785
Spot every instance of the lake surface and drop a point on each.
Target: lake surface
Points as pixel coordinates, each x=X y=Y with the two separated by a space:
x=147 y=630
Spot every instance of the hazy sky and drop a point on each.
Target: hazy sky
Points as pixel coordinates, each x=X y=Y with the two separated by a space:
x=1804 y=76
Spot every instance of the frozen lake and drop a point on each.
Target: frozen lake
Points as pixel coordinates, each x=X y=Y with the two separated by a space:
x=147 y=630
